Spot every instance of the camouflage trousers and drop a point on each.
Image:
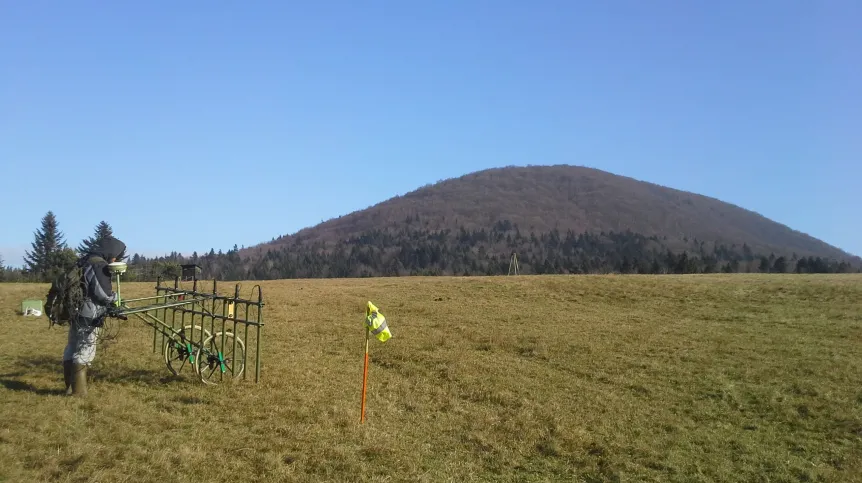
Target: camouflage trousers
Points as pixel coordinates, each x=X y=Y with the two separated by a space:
x=81 y=344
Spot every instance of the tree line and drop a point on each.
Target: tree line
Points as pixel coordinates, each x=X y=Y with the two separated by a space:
x=411 y=251
x=405 y=251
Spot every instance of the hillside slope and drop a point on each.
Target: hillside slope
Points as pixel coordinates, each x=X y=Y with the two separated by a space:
x=583 y=200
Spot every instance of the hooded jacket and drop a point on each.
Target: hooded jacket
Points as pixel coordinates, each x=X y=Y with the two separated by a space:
x=99 y=293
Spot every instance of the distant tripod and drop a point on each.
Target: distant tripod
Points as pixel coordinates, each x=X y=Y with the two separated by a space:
x=513 y=265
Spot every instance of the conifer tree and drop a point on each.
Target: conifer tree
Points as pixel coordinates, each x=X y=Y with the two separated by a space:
x=764 y=264
x=103 y=229
x=50 y=255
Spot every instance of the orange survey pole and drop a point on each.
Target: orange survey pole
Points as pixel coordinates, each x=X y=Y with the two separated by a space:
x=364 y=378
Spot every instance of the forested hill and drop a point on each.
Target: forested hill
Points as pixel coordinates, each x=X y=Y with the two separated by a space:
x=538 y=199
x=558 y=219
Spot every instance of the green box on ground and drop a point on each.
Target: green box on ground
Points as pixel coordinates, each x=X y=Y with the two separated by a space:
x=31 y=304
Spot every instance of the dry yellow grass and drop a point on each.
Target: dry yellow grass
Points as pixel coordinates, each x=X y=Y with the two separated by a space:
x=554 y=378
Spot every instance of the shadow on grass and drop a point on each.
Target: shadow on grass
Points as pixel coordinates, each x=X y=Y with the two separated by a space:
x=14 y=385
x=53 y=367
x=135 y=376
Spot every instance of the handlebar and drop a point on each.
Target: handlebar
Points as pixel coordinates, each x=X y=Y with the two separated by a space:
x=116 y=315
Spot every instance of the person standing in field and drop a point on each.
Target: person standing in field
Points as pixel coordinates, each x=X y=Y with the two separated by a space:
x=99 y=295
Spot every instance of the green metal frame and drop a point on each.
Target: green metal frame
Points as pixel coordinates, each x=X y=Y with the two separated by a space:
x=203 y=312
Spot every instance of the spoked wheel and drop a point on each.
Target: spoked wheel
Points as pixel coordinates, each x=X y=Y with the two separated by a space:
x=181 y=349
x=219 y=360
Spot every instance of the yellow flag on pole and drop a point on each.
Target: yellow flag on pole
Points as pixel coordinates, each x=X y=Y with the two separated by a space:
x=376 y=323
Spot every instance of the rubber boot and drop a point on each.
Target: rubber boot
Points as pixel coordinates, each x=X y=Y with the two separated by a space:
x=79 y=380
x=67 y=376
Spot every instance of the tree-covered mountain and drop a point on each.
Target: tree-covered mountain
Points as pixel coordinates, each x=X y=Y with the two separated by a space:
x=539 y=199
x=556 y=219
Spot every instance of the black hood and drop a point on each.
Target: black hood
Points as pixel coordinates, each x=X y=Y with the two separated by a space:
x=110 y=247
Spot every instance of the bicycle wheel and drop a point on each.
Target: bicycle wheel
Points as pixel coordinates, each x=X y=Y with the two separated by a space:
x=220 y=359
x=180 y=348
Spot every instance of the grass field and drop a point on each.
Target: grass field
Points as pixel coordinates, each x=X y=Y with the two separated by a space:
x=553 y=378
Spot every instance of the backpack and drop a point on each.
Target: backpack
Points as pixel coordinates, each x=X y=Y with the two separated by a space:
x=66 y=296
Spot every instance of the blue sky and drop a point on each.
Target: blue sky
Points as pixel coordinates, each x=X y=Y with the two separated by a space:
x=197 y=125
